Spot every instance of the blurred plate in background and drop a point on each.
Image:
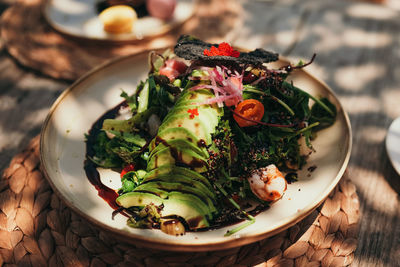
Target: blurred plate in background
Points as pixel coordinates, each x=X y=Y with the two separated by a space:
x=79 y=19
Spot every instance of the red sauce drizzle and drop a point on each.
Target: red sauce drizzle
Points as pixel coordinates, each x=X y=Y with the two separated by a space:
x=106 y=193
x=103 y=191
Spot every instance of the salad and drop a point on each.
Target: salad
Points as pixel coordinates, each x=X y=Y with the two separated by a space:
x=205 y=139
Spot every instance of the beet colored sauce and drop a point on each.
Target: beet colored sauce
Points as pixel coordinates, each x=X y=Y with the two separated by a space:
x=106 y=193
x=109 y=195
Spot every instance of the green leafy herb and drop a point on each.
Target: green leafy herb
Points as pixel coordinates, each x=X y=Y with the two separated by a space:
x=248 y=216
x=147 y=217
x=133 y=138
x=130 y=125
x=252 y=89
x=322 y=104
x=321 y=115
x=131 y=180
x=102 y=156
x=130 y=100
x=123 y=149
x=143 y=98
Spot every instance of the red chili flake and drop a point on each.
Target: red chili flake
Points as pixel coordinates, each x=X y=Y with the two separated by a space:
x=193 y=112
x=127 y=168
x=223 y=49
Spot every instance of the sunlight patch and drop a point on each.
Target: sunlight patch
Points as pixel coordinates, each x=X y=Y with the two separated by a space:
x=356 y=78
x=329 y=40
x=391 y=100
x=368 y=11
x=360 y=38
x=360 y=104
x=373 y=134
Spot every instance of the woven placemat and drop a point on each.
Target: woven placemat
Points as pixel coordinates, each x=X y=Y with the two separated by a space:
x=37 y=229
x=34 y=44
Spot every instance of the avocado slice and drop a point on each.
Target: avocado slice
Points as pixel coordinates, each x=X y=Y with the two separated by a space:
x=166 y=189
x=175 y=133
x=138 y=199
x=195 y=199
x=187 y=209
x=195 y=96
x=180 y=183
x=195 y=125
x=214 y=107
x=183 y=145
x=181 y=191
x=170 y=155
x=209 y=117
x=183 y=108
x=186 y=181
x=173 y=169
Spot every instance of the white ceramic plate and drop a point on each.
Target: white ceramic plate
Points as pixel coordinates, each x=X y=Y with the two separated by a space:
x=63 y=153
x=393 y=144
x=79 y=18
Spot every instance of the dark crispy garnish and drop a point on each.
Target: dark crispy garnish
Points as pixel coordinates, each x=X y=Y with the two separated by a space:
x=190 y=48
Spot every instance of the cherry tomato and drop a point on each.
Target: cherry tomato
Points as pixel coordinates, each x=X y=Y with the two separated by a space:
x=250 y=109
x=127 y=168
x=172 y=68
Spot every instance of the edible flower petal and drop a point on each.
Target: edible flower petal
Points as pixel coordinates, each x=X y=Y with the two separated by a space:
x=193 y=112
x=227 y=86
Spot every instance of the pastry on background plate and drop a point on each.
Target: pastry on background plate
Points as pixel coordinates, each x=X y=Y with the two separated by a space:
x=118 y=19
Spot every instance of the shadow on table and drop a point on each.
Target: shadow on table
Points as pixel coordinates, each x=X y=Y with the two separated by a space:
x=390 y=174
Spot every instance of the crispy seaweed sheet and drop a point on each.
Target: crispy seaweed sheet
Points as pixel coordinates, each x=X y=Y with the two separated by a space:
x=191 y=48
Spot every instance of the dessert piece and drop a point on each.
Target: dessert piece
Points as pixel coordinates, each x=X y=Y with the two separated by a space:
x=118 y=19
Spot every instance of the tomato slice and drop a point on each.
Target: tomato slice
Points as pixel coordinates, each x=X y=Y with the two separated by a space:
x=251 y=109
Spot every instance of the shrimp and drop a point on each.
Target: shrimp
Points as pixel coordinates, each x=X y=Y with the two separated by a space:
x=267 y=183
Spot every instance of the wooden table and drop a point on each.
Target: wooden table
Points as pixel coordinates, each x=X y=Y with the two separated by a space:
x=358 y=55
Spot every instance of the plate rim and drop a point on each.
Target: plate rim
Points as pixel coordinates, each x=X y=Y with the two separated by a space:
x=82 y=38
x=229 y=242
